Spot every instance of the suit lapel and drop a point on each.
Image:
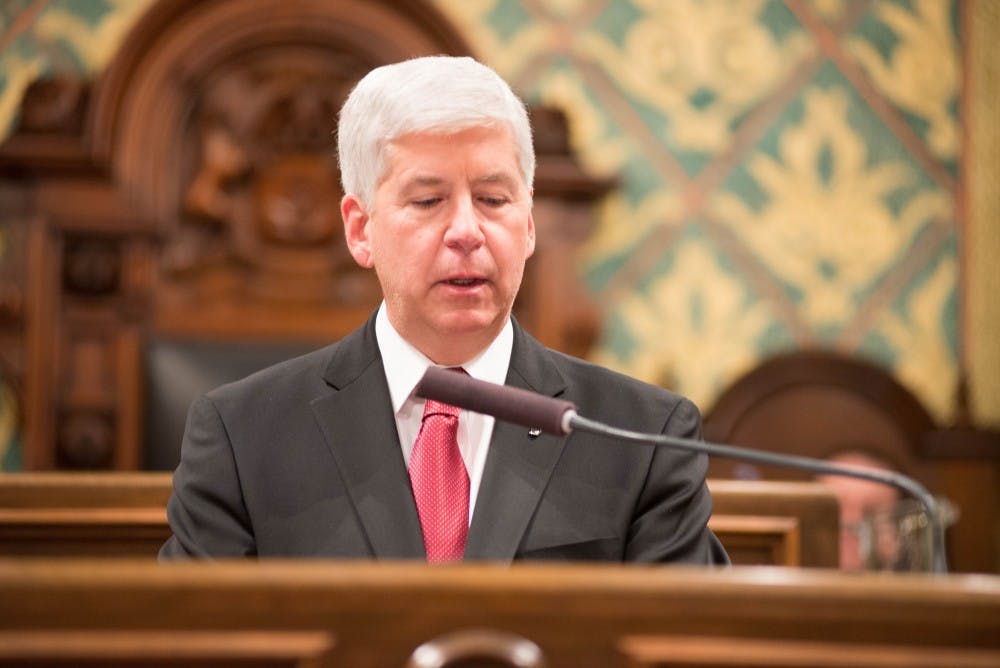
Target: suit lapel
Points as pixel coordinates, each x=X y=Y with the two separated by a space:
x=518 y=467
x=359 y=427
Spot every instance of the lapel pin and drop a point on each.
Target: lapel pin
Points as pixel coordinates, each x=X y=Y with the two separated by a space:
x=534 y=432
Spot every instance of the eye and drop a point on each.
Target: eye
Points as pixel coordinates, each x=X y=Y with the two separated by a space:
x=426 y=202
x=493 y=201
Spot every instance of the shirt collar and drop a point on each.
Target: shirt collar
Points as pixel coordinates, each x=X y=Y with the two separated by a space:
x=405 y=365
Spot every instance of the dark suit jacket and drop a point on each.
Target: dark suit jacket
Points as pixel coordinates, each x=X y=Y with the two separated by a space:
x=302 y=460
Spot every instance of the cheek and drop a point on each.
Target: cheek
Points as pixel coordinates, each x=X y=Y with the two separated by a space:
x=388 y=245
x=401 y=258
x=512 y=266
x=517 y=249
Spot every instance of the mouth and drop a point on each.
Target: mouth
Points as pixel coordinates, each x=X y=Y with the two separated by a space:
x=465 y=282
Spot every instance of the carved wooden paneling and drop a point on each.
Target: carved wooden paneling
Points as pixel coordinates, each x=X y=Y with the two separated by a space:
x=14 y=266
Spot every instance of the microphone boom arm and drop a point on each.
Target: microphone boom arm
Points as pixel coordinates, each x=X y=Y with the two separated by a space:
x=571 y=421
x=559 y=417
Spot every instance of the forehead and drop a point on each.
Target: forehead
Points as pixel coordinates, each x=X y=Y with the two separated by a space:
x=491 y=151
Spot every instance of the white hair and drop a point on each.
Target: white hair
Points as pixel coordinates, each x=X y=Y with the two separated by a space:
x=430 y=94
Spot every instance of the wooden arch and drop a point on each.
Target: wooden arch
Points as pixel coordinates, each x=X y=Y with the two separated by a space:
x=181 y=48
x=819 y=403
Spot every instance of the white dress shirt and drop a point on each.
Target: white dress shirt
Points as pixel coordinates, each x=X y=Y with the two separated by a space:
x=405 y=365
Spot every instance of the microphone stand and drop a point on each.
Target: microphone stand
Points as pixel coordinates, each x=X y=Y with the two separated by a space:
x=559 y=417
x=571 y=421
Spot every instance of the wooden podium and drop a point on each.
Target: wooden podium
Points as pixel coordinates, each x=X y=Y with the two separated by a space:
x=130 y=613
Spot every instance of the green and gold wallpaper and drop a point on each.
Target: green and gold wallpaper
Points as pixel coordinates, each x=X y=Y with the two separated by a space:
x=792 y=171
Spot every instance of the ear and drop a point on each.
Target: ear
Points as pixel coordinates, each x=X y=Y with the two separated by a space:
x=531 y=225
x=356 y=230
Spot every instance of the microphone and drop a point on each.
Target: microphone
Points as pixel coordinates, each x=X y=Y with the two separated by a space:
x=559 y=418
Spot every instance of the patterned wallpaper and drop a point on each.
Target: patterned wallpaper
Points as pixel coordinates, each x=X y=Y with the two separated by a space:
x=791 y=169
x=790 y=175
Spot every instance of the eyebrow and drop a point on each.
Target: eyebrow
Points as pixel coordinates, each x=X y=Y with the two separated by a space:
x=502 y=178
x=423 y=181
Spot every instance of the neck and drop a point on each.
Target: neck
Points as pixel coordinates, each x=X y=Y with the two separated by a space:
x=455 y=350
x=450 y=348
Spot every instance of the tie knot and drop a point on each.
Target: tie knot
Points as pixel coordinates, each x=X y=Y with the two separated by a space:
x=437 y=408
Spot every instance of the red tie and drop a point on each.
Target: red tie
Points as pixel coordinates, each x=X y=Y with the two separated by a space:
x=440 y=483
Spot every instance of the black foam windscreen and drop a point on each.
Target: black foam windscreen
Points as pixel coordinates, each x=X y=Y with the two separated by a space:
x=510 y=404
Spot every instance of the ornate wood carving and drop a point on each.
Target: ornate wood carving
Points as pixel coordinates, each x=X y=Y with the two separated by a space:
x=260 y=212
x=54 y=106
x=86 y=440
x=91 y=266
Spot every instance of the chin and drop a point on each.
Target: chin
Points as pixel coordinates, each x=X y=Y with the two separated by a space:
x=470 y=322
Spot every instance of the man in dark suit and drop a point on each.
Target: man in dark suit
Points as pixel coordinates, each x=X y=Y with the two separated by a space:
x=331 y=454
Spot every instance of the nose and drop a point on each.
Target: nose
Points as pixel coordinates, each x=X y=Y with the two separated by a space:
x=464 y=232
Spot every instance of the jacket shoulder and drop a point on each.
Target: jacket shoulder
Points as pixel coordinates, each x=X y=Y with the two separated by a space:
x=620 y=399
